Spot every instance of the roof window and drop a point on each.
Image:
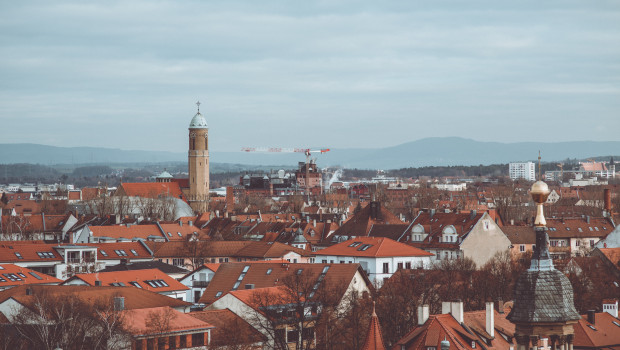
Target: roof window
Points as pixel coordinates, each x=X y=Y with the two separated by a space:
x=580 y=230
x=120 y=252
x=269 y=271
x=2 y=279
x=355 y=244
x=591 y=327
x=45 y=255
x=1 y=267
x=218 y=294
x=34 y=274
x=596 y=228
x=21 y=275
x=590 y=228
x=246 y=268
x=616 y=323
x=364 y=247
x=18 y=255
x=568 y=229
x=325 y=269
x=133 y=251
x=236 y=285
x=299 y=271
x=135 y=284
x=103 y=252
x=179 y=233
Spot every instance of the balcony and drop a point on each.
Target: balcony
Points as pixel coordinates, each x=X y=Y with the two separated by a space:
x=74 y=260
x=200 y=284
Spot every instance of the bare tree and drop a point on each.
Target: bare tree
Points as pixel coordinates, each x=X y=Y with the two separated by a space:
x=55 y=321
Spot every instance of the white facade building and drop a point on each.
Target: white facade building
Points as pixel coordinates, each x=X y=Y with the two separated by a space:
x=525 y=171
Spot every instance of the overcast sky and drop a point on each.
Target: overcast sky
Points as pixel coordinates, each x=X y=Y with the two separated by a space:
x=331 y=73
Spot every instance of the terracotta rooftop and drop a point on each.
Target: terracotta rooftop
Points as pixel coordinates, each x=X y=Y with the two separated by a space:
x=266 y=274
x=361 y=223
x=372 y=247
x=135 y=298
x=176 y=232
x=578 y=227
x=603 y=333
x=137 y=321
x=520 y=234
x=20 y=251
x=127 y=232
x=151 y=279
x=13 y=275
x=374 y=337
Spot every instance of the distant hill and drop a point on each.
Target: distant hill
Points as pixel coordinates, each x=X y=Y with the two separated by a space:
x=424 y=152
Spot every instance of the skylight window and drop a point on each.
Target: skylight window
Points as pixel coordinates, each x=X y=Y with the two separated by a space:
x=325 y=269
x=236 y=285
x=1 y=267
x=591 y=327
x=355 y=244
x=218 y=294
x=179 y=233
x=21 y=275
x=2 y=279
x=103 y=252
x=616 y=323
x=18 y=255
x=34 y=274
x=269 y=271
x=299 y=271
x=133 y=251
x=135 y=284
x=246 y=268
x=120 y=252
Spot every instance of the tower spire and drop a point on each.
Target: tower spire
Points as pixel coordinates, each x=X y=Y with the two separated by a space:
x=539 y=168
x=198 y=104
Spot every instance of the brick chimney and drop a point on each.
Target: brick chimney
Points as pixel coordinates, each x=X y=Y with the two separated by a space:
x=607 y=200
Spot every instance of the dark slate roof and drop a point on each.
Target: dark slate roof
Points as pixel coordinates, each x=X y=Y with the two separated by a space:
x=145 y=265
x=543 y=296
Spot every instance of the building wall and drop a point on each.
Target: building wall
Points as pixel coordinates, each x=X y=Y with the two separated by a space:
x=484 y=241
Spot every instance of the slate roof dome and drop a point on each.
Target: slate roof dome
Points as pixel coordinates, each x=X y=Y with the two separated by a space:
x=198 y=122
x=543 y=296
x=299 y=238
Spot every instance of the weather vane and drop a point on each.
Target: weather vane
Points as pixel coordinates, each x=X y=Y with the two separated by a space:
x=198 y=104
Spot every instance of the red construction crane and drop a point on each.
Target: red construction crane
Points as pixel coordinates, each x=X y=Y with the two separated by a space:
x=307 y=151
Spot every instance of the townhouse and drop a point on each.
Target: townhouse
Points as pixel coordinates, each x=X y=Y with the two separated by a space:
x=378 y=257
x=12 y=276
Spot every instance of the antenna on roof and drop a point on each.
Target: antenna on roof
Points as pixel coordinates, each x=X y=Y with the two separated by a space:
x=198 y=104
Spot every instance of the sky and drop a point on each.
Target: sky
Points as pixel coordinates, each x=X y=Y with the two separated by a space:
x=337 y=74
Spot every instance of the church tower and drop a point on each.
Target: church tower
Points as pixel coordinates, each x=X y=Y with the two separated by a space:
x=198 y=163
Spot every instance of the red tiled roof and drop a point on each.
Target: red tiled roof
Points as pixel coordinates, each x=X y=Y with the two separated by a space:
x=24 y=206
x=74 y=195
x=612 y=254
x=378 y=247
x=152 y=189
x=361 y=223
x=20 y=251
x=137 y=321
x=111 y=250
x=520 y=234
x=172 y=231
x=605 y=334
x=578 y=227
x=89 y=193
x=268 y=274
x=135 y=298
x=127 y=232
x=13 y=275
x=131 y=278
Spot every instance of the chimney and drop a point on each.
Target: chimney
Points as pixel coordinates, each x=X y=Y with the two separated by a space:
x=431 y=214
x=423 y=313
x=28 y=291
x=490 y=319
x=230 y=199
x=607 y=199
x=445 y=307
x=457 y=311
x=180 y=222
x=314 y=223
x=445 y=344
x=592 y=316
x=500 y=306
x=472 y=215
x=119 y=303
x=375 y=208
x=97 y=283
x=190 y=222
x=588 y=219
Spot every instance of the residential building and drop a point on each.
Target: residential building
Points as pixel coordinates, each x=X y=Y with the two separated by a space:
x=524 y=170
x=244 y=335
x=522 y=239
x=379 y=257
x=198 y=280
x=597 y=330
x=576 y=236
x=452 y=235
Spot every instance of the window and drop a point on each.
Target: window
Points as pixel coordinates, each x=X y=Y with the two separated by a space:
x=135 y=284
x=591 y=243
x=400 y=266
x=386 y=267
x=355 y=244
x=299 y=271
x=34 y=274
x=246 y=268
x=103 y=252
x=45 y=255
x=172 y=342
x=408 y=265
x=18 y=255
x=292 y=335
x=522 y=248
x=269 y=271
x=133 y=251
x=325 y=269
x=218 y=294
x=236 y=285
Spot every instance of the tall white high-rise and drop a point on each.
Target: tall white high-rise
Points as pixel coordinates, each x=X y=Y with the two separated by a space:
x=525 y=171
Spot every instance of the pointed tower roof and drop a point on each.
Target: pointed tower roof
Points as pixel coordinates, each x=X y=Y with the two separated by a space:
x=374 y=338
